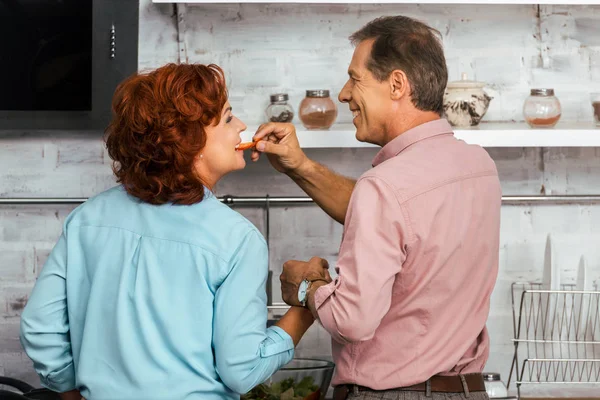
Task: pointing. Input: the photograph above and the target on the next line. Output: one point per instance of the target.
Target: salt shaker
(494, 385)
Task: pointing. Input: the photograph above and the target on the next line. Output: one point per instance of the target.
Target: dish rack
(556, 335)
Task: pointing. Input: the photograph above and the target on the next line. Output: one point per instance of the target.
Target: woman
(156, 290)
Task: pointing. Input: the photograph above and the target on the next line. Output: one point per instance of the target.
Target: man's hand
(280, 143)
(295, 272)
(329, 190)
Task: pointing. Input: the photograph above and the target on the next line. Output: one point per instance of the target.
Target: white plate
(550, 281)
(582, 306)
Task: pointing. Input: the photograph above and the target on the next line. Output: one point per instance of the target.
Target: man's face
(368, 99)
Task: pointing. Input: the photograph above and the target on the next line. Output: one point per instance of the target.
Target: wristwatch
(303, 291)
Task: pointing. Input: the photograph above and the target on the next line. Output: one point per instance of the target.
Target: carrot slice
(246, 146)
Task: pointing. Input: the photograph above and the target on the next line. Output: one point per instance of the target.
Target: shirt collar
(208, 193)
(410, 137)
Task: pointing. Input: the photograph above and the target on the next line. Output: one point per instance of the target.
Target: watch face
(302, 290)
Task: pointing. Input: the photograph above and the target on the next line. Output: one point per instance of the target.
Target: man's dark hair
(411, 46)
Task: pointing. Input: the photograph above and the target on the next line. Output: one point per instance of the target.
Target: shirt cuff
(325, 312)
(323, 293)
(277, 341)
(60, 381)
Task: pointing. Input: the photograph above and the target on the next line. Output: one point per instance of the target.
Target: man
(419, 255)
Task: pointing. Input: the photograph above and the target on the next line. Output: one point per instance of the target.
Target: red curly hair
(157, 130)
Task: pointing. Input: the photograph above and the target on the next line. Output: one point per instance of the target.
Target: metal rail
(243, 200)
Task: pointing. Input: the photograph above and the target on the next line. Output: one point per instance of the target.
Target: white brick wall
(267, 48)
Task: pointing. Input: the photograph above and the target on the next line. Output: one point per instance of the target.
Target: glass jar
(279, 110)
(541, 108)
(494, 385)
(317, 110)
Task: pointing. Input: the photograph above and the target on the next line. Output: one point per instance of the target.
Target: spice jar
(317, 110)
(542, 109)
(279, 110)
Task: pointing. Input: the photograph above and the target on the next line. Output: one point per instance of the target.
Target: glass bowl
(309, 378)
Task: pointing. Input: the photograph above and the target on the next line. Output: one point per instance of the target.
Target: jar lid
(279, 97)
(465, 83)
(542, 92)
(491, 376)
(317, 93)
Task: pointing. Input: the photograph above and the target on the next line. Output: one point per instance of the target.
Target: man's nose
(344, 96)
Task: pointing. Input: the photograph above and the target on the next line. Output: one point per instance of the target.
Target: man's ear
(399, 85)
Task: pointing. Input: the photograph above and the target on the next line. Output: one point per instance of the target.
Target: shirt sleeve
(372, 252)
(246, 351)
(45, 324)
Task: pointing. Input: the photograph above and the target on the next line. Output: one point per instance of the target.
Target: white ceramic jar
(465, 102)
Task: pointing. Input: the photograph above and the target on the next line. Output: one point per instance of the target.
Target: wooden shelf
(486, 134)
(482, 2)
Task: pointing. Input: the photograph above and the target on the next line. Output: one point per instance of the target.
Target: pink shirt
(417, 263)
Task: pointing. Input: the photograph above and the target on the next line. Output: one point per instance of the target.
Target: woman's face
(219, 156)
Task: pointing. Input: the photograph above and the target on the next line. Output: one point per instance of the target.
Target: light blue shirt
(139, 301)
